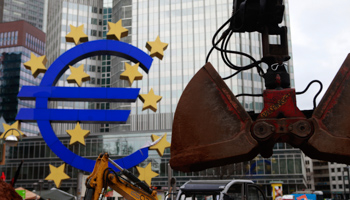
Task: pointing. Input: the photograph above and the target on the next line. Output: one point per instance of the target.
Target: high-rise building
(93, 15)
(188, 26)
(30, 10)
(17, 41)
(61, 15)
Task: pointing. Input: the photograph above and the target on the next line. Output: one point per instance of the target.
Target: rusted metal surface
(210, 126)
(275, 53)
(280, 104)
(331, 119)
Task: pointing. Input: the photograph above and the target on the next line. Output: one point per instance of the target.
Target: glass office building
(30, 10)
(17, 41)
(188, 26)
(90, 14)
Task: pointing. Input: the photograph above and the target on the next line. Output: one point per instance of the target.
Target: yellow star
(131, 73)
(57, 174)
(78, 134)
(76, 35)
(116, 31)
(78, 75)
(146, 174)
(161, 145)
(156, 48)
(36, 64)
(8, 128)
(150, 100)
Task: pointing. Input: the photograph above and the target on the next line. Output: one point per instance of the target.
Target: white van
(220, 190)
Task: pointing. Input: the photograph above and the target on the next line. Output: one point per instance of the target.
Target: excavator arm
(124, 182)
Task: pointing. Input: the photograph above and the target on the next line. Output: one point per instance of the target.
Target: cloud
(320, 40)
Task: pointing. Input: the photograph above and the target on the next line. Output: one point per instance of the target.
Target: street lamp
(12, 140)
(40, 185)
(35, 186)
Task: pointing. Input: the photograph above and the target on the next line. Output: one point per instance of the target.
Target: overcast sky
(320, 42)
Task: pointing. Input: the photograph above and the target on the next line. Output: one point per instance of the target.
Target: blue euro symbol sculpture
(47, 91)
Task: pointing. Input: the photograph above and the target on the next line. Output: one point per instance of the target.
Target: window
(93, 21)
(332, 170)
(254, 193)
(307, 162)
(339, 178)
(235, 192)
(333, 178)
(307, 169)
(339, 169)
(340, 186)
(94, 10)
(93, 33)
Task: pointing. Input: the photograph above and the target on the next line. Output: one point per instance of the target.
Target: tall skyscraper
(30, 10)
(17, 41)
(188, 27)
(61, 15)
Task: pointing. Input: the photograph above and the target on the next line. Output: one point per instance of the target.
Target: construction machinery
(123, 182)
(131, 188)
(211, 128)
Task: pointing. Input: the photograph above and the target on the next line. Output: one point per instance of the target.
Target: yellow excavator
(123, 182)
(131, 188)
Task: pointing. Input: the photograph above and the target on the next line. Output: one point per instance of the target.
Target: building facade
(339, 180)
(30, 10)
(309, 173)
(188, 26)
(37, 156)
(17, 41)
(61, 15)
(329, 177)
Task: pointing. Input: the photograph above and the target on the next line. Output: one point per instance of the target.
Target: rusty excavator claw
(211, 128)
(331, 121)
